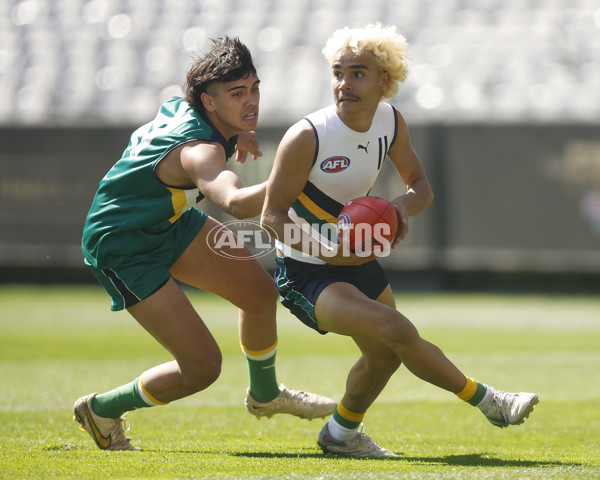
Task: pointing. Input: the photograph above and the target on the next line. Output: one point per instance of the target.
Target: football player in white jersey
(342, 292)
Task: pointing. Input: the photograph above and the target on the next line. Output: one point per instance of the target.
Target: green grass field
(57, 343)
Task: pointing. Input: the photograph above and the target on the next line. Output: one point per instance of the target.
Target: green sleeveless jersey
(133, 210)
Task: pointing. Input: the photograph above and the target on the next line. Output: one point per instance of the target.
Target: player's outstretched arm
(205, 163)
(286, 181)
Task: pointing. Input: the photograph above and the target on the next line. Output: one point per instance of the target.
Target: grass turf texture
(57, 343)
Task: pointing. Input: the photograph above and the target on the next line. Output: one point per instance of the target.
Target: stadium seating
(77, 62)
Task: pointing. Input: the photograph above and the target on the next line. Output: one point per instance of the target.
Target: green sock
(473, 392)
(116, 402)
(347, 419)
(261, 372)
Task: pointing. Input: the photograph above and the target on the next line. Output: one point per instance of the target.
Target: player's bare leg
(342, 309)
(168, 316)
(379, 329)
(371, 373)
(171, 319)
(342, 434)
(246, 284)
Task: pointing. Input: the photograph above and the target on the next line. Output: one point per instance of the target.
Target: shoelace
(300, 396)
(124, 424)
(499, 399)
(296, 395)
(373, 447)
(362, 434)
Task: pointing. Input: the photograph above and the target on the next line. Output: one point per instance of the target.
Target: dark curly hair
(228, 60)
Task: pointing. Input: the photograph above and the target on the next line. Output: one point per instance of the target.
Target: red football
(367, 221)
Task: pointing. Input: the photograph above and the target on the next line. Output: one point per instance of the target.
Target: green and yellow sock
(116, 402)
(344, 424)
(261, 372)
(473, 392)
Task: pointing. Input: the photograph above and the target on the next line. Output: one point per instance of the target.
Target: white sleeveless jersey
(345, 166)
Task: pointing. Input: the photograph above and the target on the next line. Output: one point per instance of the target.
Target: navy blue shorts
(300, 284)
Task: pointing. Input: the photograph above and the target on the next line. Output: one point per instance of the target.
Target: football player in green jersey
(143, 233)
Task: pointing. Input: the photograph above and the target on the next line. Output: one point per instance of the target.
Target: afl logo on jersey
(335, 164)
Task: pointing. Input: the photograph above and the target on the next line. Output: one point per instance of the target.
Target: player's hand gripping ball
(367, 222)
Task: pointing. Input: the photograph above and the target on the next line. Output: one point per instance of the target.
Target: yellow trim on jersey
(179, 201)
(182, 200)
(348, 415)
(317, 211)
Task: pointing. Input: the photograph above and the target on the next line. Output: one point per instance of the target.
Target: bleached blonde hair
(387, 48)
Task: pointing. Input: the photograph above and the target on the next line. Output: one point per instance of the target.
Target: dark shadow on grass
(485, 460)
(470, 460)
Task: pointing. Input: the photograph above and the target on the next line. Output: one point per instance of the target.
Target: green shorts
(139, 275)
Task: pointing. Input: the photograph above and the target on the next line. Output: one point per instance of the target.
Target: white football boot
(360, 445)
(107, 432)
(503, 409)
(295, 402)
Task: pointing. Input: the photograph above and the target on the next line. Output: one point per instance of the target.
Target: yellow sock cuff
(470, 388)
(260, 354)
(348, 415)
(148, 395)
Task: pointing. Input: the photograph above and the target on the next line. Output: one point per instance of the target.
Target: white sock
(340, 433)
(486, 398)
